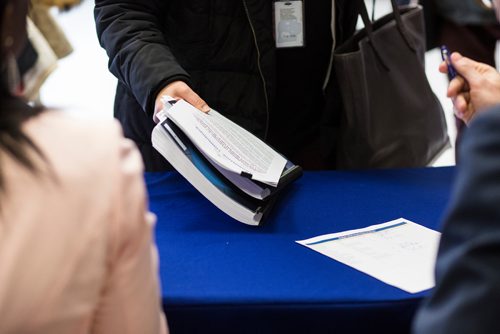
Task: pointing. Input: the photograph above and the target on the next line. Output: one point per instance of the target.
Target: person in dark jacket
(467, 292)
(222, 55)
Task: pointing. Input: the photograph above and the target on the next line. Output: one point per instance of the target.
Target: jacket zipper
(330, 64)
(259, 67)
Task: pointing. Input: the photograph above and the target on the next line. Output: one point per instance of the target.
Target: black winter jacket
(224, 49)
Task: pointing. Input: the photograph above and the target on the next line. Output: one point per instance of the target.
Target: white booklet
(235, 170)
(228, 146)
(400, 252)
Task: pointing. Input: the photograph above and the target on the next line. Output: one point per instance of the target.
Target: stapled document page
(400, 252)
(228, 145)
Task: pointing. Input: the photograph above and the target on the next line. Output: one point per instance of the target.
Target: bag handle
(402, 26)
(399, 23)
(369, 31)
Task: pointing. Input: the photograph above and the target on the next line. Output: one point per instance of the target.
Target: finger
(466, 96)
(456, 86)
(155, 118)
(468, 114)
(461, 105)
(157, 109)
(443, 68)
(196, 101)
(466, 67)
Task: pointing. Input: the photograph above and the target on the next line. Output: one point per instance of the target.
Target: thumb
(466, 67)
(196, 101)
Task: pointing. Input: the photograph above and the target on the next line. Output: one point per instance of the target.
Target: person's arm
(132, 34)
(130, 299)
(477, 87)
(467, 288)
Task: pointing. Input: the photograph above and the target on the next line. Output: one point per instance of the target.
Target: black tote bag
(390, 116)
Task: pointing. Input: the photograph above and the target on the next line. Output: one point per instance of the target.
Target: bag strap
(362, 10)
(402, 27)
(333, 22)
(374, 4)
(369, 31)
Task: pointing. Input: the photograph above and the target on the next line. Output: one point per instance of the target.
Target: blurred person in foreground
(467, 292)
(76, 251)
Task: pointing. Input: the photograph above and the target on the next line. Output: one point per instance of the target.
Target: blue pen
(445, 55)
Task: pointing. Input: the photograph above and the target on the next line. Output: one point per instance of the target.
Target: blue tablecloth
(221, 276)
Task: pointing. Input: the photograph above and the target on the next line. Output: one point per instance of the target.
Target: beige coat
(76, 252)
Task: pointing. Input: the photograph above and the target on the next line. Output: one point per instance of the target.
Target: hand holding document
(400, 252)
(229, 146)
(231, 167)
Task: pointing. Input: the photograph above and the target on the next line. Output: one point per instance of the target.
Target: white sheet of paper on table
(400, 252)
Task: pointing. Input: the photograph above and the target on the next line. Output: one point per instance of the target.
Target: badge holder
(289, 23)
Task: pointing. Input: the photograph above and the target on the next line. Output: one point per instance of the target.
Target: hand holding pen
(473, 86)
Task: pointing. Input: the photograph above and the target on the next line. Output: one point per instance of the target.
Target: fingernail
(205, 108)
(456, 55)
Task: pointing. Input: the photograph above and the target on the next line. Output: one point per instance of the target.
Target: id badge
(289, 23)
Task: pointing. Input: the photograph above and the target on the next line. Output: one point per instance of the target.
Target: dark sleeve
(467, 292)
(132, 34)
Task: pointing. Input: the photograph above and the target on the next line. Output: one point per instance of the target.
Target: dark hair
(13, 113)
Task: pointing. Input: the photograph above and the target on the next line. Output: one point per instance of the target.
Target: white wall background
(81, 81)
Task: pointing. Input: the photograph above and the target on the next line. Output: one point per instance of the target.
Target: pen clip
(445, 55)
